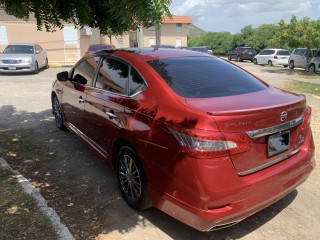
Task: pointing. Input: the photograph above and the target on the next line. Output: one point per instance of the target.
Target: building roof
(177, 19)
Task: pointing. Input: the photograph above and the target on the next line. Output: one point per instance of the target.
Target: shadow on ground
(84, 192)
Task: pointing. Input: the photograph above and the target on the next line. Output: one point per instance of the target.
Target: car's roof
(22, 44)
(276, 49)
(152, 54)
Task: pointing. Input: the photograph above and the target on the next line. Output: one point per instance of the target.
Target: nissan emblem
(283, 116)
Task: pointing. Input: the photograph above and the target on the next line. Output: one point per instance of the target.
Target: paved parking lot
(85, 193)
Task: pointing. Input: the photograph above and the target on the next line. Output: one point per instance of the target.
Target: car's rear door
(75, 94)
(105, 103)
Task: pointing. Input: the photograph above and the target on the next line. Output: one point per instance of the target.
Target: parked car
(272, 57)
(99, 47)
(200, 49)
(314, 65)
(162, 46)
(300, 57)
(183, 133)
(242, 53)
(182, 47)
(23, 57)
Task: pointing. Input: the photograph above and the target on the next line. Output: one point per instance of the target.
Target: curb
(61, 229)
(61, 65)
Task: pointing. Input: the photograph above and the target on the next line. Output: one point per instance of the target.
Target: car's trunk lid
(266, 117)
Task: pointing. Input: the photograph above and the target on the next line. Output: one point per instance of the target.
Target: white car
(272, 57)
(314, 65)
(23, 58)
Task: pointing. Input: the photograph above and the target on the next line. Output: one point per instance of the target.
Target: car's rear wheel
(291, 65)
(255, 61)
(57, 112)
(36, 68)
(132, 179)
(239, 59)
(270, 63)
(312, 69)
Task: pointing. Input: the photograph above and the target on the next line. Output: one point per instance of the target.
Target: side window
(84, 72)
(136, 83)
(296, 51)
(263, 52)
(113, 76)
(302, 52)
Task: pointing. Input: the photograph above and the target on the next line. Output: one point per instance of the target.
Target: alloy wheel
(129, 177)
(57, 113)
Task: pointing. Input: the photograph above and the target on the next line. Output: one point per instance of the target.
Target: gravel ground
(85, 194)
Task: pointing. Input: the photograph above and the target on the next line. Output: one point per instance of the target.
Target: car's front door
(106, 102)
(75, 94)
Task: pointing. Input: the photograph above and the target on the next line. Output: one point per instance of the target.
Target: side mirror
(63, 76)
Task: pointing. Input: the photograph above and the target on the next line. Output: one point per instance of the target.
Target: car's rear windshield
(99, 47)
(283, 52)
(19, 49)
(205, 77)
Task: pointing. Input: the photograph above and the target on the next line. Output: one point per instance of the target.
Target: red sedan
(188, 133)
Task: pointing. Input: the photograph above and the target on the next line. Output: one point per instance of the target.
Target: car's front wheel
(255, 61)
(36, 68)
(291, 65)
(132, 179)
(229, 57)
(57, 112)
(46, 66)
(239, 59)
(312, 69)
(270, 63)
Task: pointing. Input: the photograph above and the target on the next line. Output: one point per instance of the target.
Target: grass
(20, 216)
(303, 87)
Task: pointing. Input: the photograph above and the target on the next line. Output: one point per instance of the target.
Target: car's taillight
(206, 144)
(305, 124)
(306, 119)
(275, 57)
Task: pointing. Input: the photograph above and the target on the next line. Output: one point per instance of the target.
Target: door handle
(112, 115)
(80, 99)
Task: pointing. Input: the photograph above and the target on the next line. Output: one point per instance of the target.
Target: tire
(239, 59)
(229, 57)
(57, 112)
(270, 63)
(312, 69)
(255, 61)
(36, 68)
(285, 66)
(291, 65)
(132, 179)
(46, 66)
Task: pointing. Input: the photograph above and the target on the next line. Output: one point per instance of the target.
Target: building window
(3, 35)
(152, 28)
(120, 42)
(179, 27)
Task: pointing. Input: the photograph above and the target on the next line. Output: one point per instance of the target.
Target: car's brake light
(305, 124)
(306, 119)
(205, 144)
(275, 57)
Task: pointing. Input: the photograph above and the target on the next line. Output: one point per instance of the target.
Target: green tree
(298, 33)
(112, 17)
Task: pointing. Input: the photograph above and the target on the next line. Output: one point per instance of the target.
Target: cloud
(240, 6)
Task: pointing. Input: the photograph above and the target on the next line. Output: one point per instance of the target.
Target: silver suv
(300, 56)
(314, 65)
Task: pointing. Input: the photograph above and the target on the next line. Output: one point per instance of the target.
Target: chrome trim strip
(271, 130)
(165, 148)
(253, 170)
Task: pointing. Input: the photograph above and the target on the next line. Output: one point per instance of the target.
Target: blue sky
(233, 15)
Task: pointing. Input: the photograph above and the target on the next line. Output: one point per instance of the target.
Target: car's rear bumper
(222, 199)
